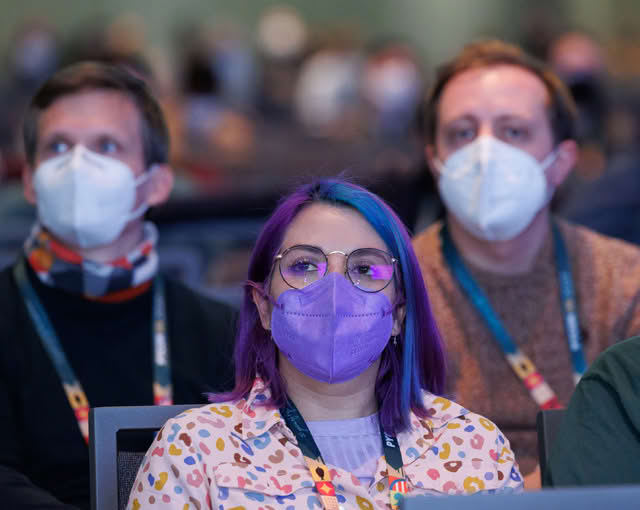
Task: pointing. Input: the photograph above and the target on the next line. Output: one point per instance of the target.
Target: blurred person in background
(579, 60)
(33, 54)
(364, 106)
(282, 39)
(524, 301)
(327, 96)
(120, 41)
(202, 106)
(603, 193)
(610, 204)
(305, 116)
(339, 370)
(216, 101)
(85, 318)
(392, 86)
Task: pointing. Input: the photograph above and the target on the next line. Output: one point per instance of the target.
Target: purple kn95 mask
(330, 330)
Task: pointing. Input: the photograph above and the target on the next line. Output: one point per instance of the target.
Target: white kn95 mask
(85, 198)
(494, 189)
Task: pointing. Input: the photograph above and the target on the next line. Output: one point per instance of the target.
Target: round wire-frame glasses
(368, 269)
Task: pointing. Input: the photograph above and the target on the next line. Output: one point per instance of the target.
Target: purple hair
(416, 363)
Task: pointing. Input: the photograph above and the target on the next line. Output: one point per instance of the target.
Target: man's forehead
(93, 96)
(498, 90)
(91, 110)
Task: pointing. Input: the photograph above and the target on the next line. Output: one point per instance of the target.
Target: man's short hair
(561, 108)
(93, 75)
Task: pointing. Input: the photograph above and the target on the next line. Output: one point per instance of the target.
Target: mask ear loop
(140, 180)
(550, 159)
(397, 280)
(398, 301)
(545, 164)
(439, 166)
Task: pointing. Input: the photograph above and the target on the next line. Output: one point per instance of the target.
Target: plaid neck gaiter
(59, 267)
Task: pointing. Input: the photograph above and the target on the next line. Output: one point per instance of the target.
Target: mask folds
(494, 189)
(85, 198)
(330, 330)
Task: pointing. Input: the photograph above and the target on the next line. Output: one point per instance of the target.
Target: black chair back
(547, 423)
(119, 437)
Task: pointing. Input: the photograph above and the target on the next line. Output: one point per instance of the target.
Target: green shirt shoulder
(599, 440)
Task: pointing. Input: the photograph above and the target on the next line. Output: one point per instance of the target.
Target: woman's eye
(302, 266)
(362, 270)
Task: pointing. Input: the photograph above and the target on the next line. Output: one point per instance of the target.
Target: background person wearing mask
(524, 301)
(86, 291)
(337, 354)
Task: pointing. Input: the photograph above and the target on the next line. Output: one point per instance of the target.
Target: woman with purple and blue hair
(339, 371)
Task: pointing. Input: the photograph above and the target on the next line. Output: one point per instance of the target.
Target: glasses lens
(370, 269)
(302, 265)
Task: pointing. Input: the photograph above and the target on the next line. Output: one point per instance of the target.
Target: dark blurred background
(261, 95)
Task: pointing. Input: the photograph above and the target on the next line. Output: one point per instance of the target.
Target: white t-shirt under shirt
(354, 445)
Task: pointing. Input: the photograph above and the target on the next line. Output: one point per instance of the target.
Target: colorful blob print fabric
(241, 455)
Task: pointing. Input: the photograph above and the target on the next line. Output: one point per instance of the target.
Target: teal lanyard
(162, 388)
(481, 303)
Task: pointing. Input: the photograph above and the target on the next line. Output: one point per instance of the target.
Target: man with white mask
(524, 301)
(85, 318)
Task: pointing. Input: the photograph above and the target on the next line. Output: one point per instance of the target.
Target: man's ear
(564, 163)
(27, 183)
(264, 308)
(160, 184)
(430, 156)
(398, 319)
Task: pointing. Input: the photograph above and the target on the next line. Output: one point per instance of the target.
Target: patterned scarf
(58, 266)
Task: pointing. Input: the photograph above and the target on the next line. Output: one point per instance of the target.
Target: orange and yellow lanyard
(162, 387)
(321, 474)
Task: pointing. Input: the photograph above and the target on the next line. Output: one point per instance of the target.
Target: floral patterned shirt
(241, 455)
